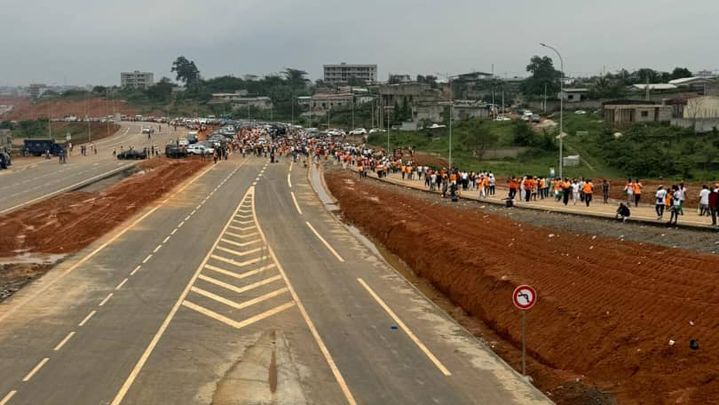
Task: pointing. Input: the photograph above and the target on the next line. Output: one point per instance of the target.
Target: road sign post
(524, 297)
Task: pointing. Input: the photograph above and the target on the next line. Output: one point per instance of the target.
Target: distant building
(220, 98)
(702, 107)
(344, 72)
(260, 103)
(36, 90)
(573, 95)
(627, 112)
(137, 79)
(399, 78)
(694, 84)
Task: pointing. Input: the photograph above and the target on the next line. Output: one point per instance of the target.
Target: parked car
(175, 151)
(358, 131)
(502, 118)
(132, 154)
(38, 147)
(183, 142)
(192, 137)
(199, 149)
(376, 130)
(580, 112)
(535, 118)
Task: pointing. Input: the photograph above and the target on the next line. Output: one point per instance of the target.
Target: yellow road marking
(62, 342)
(406, 330)
(294, 199)
(236, 253)
(240, 305)
(241, 275)
(331, 249)
(237, 264)
(241, 229)
(240, 244)
(231, 322)
(35, 370)
(8, 397)
(237, 235)
(315, 333)
(242, 289)
(156, 338)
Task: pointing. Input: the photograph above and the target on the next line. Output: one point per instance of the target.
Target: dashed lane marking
(406, 329)
(297, 205)
(36, 369)
(166, 238)
(135, 270)
(327, 245)
(105, 300)
(158, 247)
(87, 318)
(63, 341)
(8, 397)
(147, 259)
(122, 283)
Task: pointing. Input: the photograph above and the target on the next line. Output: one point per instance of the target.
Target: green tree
(543, 73)
(186, 71)
(680, 72)
(161, 92)
(478, 139)
(296, 78)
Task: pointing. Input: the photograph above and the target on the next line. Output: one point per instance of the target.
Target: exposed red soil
(607, 309)
(92, 107)
(70, 221)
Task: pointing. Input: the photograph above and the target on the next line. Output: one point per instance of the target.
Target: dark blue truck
(38, 147)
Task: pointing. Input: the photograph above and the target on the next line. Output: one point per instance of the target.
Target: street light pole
(561, 109)
(451, 103)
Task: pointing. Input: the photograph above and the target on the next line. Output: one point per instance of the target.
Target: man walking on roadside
(605, 190)
(714, 203)
(661, 196)
(588, 191)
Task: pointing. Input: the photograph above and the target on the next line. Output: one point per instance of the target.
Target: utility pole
(545, 98)
(561, 109)
(353, 111)
(388, 133)
(451, 104)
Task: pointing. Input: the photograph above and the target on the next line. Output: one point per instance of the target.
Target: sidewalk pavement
(644, 213)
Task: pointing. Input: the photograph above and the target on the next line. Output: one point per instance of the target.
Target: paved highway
(239, 288)
(33, 179)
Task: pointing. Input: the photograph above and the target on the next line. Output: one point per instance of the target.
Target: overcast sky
(91, 42)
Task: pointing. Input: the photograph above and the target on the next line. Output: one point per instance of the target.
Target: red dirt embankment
(70, 221)
(92, 107)
(607, 309)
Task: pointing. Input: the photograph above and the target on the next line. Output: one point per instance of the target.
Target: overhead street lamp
(561, 108)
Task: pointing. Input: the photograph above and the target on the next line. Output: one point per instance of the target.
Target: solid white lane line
(242, 289)
(241, 244)
(62, 342)
(105, 300)
(87, 318)
(35, 370)
(166, 239)
(240, 305)
(135, 270)
(156, 338)
(310, 324)
(147, 258)
(294, 199)
(157, 248)
(406, 330)
(8, 397)
(121, 284)
(331, 249)
(236, 253)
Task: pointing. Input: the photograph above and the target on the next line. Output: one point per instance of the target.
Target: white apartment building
(136, 79)
(342, 73)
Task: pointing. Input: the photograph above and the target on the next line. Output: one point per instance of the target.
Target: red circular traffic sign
(524, 297)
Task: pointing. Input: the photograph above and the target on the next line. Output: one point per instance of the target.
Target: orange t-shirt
(588, 188)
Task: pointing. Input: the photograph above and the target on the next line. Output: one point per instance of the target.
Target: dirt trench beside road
(607, 308)
(33, 237)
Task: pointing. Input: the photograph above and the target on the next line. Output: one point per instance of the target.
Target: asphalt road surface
(32, 179)
(239, 288)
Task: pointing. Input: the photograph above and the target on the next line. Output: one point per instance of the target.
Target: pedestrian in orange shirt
(588, 190)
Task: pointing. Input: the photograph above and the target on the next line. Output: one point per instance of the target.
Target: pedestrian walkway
(644, 213)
